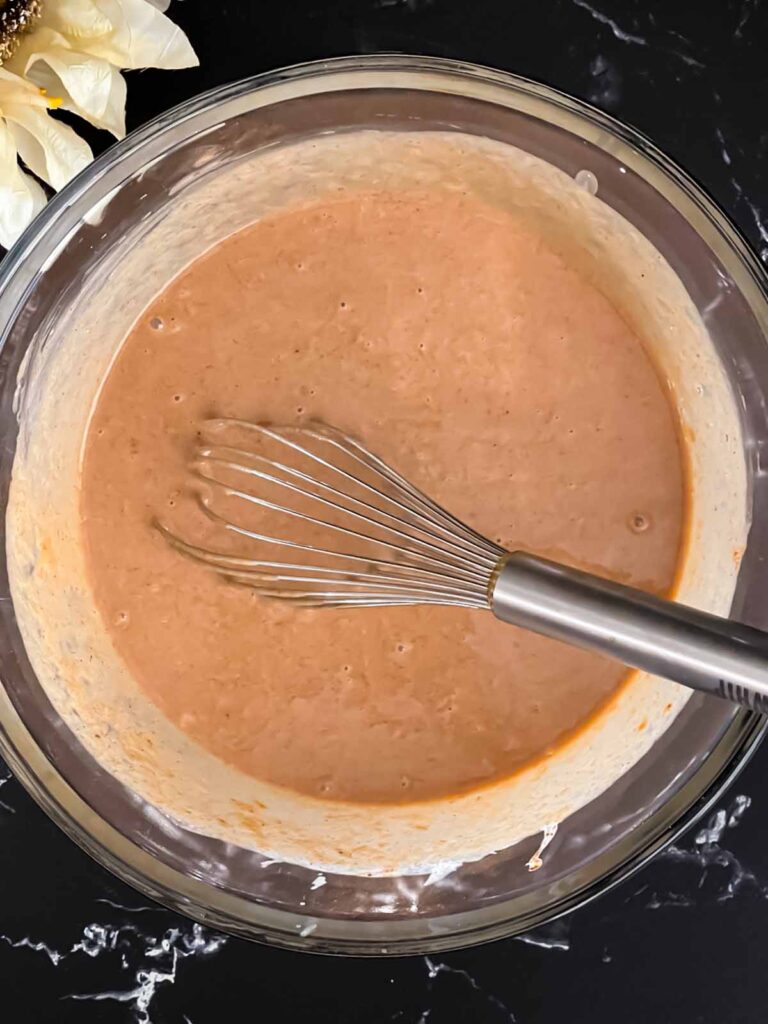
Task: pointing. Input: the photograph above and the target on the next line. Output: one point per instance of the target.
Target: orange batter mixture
(467, 354)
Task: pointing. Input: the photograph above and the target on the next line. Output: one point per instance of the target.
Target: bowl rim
(200, 900)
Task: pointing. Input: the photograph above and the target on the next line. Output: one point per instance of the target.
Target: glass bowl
(84, 230)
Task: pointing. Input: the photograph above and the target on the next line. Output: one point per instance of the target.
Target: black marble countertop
(684, 941)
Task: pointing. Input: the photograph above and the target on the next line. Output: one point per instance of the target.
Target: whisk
(311, 516)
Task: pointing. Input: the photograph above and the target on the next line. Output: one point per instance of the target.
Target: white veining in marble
(723, 147)
(720, 875)
(747, 9)
(639, 40)
(669, 899)
(54, 955)
(175, 945)
(123, 906)
(5, 778)
(436, 968)
(153, 959)
(756, 213)
(620, 33)
(409, 5)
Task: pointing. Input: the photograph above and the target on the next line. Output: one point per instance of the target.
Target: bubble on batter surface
(586, 180)
(639, 522)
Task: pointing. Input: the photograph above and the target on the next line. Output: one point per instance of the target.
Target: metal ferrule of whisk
(309, 515)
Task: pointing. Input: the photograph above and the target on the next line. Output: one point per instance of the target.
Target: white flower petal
(15, 89)
(127, 33)
(76, 19)
(52, 150)
(88, 86)
(144, 38)
(161, 5)
(21, 197)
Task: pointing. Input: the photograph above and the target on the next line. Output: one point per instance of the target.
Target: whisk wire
(416, 536)
(324, 523)
(405, 548)
(454, 525)
(250, 569)
(354, 450)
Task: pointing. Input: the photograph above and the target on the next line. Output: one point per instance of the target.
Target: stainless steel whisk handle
(680, 643)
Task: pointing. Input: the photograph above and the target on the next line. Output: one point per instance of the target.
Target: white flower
(50, 149)
(71, 58)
